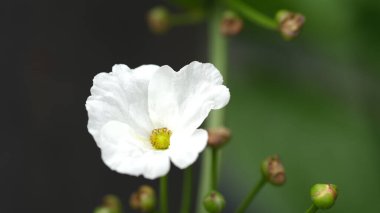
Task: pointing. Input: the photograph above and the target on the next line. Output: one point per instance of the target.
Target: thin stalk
(312, 209)
(186, 190)
(218, 56)
(248, 200)
(164, 194)
(252, 14)
(214, 167)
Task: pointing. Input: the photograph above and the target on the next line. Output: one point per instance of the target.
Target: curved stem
(164, 194)
(312, 209)
(218, 56)
(244, 205)
(252, 14)
(186, 190)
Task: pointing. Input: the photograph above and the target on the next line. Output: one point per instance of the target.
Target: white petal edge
(184, 151)
(125, 152)
(157, 164)
(122, 150)
(182, 100)
(120, 95)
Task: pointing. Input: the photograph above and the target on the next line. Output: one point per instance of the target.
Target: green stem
(244, 205)
(218, 56)
(186, 190)
(164, 194)
(252, 14)
(312, 209)
(214, 167)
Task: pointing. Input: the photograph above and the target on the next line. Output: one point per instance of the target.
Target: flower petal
(157, 164)
(182, 100)
(127, 153)
(162, 101)
(184, 151)
(120, 96)
(122, 150)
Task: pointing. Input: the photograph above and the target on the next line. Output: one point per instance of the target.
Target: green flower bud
(158, 20)
(103, 210)
(144, 200)
(231, 24)
(273, 170)
(214, 202)
(217, 137)
(290, 23)
(112, 202)
(324, 195)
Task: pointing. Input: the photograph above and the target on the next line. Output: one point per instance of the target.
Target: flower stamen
(160, 138)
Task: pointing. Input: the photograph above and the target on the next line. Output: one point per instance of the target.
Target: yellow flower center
(160, 138)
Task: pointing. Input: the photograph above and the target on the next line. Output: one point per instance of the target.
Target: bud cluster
(217, 137)
(144, 199)
(290, 23)
(273, 170)
(110, 204)
(214, 202)
(231, 24)
(324, 195)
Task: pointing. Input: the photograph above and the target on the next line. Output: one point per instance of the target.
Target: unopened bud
(231, 24)
(144, 200)
(103, 210)
(273, 170)
(112, 202)
(214, 202)
(217, 137)
(158, 20)
(324, 195)
(290, 23)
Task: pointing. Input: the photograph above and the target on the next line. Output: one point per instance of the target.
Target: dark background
(51, 50)
(315, 101)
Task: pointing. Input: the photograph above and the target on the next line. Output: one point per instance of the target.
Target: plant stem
(312, 209)
(186, 190)
(253, 14)
(164, 194)
(214, 167)
(244, 205)
(218, 56)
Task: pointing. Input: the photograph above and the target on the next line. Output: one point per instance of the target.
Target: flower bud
(324, 195)
(217, 137)
(158, 20)
(103, 210)
(290, 23)
(112, 202)
(214, 202)
(231, 24)
(273, 170)
(144, 200)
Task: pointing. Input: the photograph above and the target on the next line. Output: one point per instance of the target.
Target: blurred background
(315, 101)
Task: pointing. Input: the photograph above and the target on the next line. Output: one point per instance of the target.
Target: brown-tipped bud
(273, 170)
(214, 202)
(103, 210)
(290, 23)
(217, 137)
(231, 24)
(112, 202)
(158, 20)
(144, 200)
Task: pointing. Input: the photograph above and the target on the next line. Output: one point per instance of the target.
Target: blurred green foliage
(315, 101)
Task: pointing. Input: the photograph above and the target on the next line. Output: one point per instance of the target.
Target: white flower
(143, 118)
